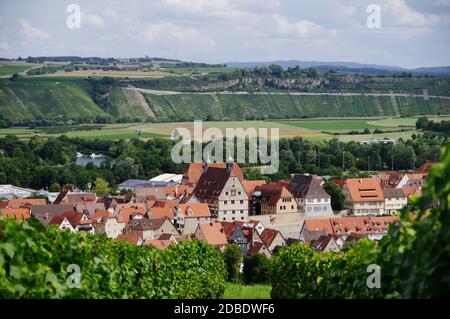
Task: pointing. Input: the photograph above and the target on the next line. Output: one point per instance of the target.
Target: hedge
(414, 258)
(34, 263)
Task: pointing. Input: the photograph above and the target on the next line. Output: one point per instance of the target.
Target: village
(214, 203)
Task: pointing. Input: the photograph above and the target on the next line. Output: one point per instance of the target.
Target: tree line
(39, 163)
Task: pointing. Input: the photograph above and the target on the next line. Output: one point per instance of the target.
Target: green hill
(46, 98)
(237, 107)
(63, 98)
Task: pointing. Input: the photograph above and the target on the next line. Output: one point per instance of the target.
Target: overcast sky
(413, 33)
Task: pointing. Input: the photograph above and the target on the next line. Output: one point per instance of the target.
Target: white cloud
(168, 34)
(401, 14)
(33, 33)
(92, 20)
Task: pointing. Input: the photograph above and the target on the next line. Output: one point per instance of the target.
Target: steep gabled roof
(299, 185)
(271, 193)
(425, 167)
(195, 171)
(212, 182)
(74, 219)
(213, 234)
(257, 248)
(268, 236)
(321, 243)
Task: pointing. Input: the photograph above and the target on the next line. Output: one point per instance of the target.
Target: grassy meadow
(237, 291)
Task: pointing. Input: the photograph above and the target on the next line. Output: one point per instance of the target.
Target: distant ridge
(350, 67)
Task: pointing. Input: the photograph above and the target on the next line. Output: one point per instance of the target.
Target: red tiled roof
(16, 213)
(351, 225)
(195, 171)
(365, 190)
(213, 234)
(195, 210)
(19, 203)
(273, 192)
(250, 186)
(268, 236)
(425, 168)
(257, 248)
(74, 219)
(131, 238)
(159, 244)
(212, 182)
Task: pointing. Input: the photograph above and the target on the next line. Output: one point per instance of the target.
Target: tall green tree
(337, 197)
(232, 256)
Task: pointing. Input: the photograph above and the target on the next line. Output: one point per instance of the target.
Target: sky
(411, 33)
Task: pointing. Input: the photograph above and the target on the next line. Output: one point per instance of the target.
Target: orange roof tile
(213, 233)
(16, 213)
(159, 244)
(195, 210)
(365, 190)
(18, 203)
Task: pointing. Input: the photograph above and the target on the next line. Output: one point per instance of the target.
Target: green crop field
(11, 69)
(8, 68)
(164, 130)
(333, 125)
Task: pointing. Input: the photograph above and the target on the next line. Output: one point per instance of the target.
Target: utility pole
(392, 162)
(343, 161)
(368, 163)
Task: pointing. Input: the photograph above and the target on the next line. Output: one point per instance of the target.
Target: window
(242, 202)
(225, 202)
(233, 202)
(226, 193)
(234, 212)
(239, 193)
(242, 211)
(324, 208)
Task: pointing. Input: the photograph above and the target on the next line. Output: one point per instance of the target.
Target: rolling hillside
(64, 98)
(259, 106)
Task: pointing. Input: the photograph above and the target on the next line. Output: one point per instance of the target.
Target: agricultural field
(305, 129)
(336, 125)
(115, 74)
(7, 68)
(198, 70)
